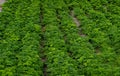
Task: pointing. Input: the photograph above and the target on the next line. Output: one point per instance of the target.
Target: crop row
(19, 40)
(99, 32)
(111, 11)
(58, 61)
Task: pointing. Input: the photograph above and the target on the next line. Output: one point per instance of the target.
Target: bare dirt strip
(1, 2)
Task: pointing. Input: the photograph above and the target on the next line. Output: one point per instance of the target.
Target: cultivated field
(60, 38)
